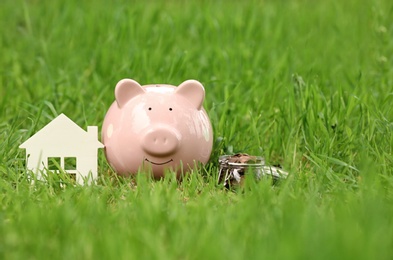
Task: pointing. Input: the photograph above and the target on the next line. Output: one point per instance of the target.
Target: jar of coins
(233, 169)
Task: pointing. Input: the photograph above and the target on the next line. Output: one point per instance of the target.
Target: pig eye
(149, 108)
(170, 109)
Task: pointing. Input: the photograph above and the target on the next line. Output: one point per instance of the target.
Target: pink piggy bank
(157, 127)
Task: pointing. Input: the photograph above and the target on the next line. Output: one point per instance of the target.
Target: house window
(69, 163)
(54, 163)
(72, 176)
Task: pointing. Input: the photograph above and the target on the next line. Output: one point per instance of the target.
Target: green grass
(306, 84)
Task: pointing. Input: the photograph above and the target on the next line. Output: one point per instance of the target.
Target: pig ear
(193, 91)
(125, 90)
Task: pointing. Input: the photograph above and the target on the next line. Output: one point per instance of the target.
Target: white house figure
(63, 143)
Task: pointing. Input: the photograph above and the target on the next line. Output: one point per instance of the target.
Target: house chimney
(92, 132)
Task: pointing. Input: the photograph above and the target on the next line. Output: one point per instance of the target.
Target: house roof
(63, 131)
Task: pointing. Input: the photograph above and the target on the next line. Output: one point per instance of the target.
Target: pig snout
(161, 141)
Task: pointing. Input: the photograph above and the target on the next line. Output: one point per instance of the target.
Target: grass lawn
(305, 84)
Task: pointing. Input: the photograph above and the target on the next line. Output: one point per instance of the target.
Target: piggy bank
(157, 128)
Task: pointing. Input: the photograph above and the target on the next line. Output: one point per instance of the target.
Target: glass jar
(233, 169)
